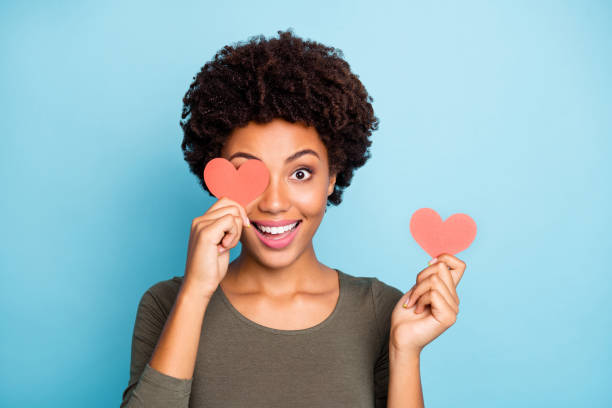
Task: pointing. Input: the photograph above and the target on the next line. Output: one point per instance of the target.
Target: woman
(276, 327)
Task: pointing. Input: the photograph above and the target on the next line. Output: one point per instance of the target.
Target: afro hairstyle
(286, 77)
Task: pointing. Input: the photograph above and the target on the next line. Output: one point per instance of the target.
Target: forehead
(274, 141)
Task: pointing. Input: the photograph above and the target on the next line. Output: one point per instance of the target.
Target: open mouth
(277, 237)
(276, 232)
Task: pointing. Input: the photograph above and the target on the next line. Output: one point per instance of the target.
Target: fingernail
(433, 261)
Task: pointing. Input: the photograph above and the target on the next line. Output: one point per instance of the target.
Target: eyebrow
(294, 156)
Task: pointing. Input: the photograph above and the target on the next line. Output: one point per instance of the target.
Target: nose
(275, 198)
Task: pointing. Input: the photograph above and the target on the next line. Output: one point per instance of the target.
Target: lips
(277, 241)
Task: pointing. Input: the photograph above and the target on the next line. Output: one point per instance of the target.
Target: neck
(247, 274)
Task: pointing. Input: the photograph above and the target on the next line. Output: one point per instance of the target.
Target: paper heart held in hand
(436, 236)
(242, 185)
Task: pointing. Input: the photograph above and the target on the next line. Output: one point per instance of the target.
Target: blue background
(499, 110)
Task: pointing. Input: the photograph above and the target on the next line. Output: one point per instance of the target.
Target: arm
(165, 344)
(176, 351)
(162, 370)
(404, 380)
(421, 315)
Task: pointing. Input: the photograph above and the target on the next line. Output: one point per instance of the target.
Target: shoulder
(384, 298)
(379, 290)
(383, 291)
(383, 295)
(162, 295)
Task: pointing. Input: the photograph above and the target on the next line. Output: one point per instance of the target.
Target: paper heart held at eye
(437, 237)
(242, 185)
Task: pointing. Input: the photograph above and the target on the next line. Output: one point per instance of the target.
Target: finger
(231, 236)
(441, 288)
(236, 237)
(439, 268)
(433, 268)
(404, 299)
(220, 227)
(457, 266)
(446, 277)
(218, 213)
(428, 271)
(243, 213)
(418, 289)
(440, 309)
(228, 202)
(433, 282)
(232, 233)
(422, 302)
(247, 222)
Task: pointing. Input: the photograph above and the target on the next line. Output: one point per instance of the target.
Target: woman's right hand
(212, 235)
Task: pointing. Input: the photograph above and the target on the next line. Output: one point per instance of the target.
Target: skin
(287, 288)
(290, 289)
(431, 305)
(428, 309)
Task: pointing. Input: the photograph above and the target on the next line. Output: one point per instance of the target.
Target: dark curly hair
(286, 77)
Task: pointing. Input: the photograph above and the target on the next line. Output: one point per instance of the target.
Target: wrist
(407, 355)
(190, 295)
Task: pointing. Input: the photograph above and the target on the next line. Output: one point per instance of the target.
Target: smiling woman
(299, 186)
(275, 327)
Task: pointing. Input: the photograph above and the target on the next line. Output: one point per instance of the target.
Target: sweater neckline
(320, 325)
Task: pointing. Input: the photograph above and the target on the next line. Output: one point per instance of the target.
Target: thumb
(404, 299)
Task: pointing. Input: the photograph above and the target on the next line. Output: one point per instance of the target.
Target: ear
(332, 184)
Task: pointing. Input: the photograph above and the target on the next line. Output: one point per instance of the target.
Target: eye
(300, 173)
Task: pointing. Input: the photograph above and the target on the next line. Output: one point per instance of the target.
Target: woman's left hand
(435, 309)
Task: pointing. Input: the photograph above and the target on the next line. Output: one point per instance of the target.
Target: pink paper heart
(242, 185)
(437, 237)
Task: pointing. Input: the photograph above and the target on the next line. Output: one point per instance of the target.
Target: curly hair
(286, 77)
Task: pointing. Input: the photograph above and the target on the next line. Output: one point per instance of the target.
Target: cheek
(312, 200)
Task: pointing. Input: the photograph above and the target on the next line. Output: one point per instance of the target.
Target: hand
(435, 309)
(212, 235)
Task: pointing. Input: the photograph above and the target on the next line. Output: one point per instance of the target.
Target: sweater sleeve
(385, 298)
(147, 387)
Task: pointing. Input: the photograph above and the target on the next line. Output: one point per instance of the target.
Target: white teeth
(277, 230)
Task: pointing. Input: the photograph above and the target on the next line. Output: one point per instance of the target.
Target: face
(299, 185)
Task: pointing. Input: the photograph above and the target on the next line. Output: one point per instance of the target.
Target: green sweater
(341, 362)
